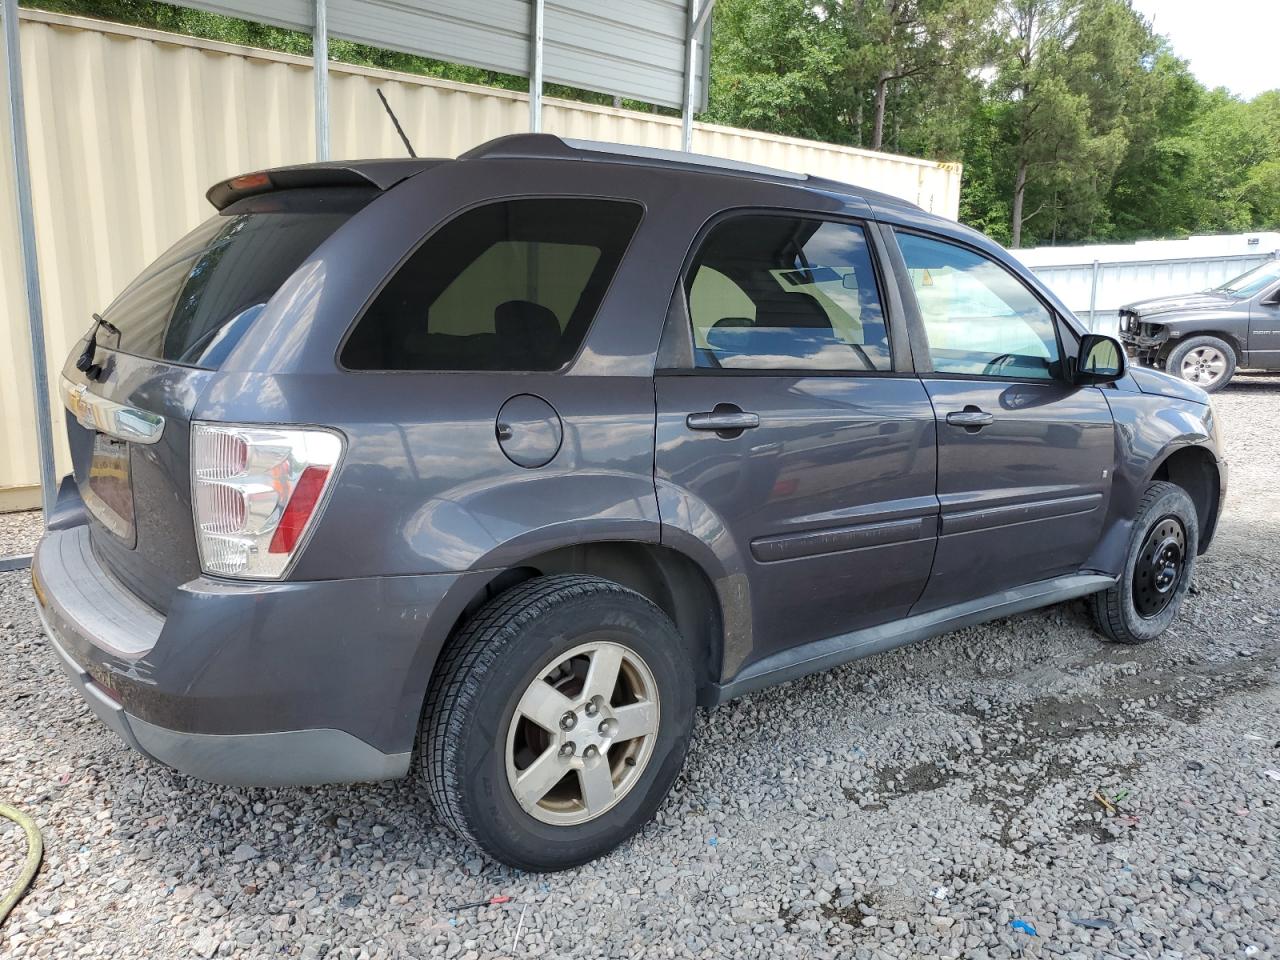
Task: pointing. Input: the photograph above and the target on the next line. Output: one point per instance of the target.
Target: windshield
(197, 300)
(1252, 283)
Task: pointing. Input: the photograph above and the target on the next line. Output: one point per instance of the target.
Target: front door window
(980, 319)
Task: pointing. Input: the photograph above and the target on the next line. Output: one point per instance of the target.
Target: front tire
(1207, 362)
(558, 720)
(1157, 571)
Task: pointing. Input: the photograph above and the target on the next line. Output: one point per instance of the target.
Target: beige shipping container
(128, 127)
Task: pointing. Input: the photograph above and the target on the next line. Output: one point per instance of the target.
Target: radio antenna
(399, 129)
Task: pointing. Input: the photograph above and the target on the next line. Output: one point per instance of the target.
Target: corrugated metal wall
(129, 127)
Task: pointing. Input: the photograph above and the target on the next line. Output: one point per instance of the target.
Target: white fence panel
(1122, 283)
(1103, 278)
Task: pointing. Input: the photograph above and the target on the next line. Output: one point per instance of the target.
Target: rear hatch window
(197, 300)
(178, 322)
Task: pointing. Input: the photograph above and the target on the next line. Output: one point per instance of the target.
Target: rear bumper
(249, 684)
(280, 758)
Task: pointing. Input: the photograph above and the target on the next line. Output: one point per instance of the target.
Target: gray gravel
(19, 532)
(910, 805)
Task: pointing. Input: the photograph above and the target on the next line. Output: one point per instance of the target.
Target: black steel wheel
(1158, 568)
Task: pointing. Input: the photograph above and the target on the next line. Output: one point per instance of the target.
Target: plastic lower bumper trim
(106, 708)
(275, 759)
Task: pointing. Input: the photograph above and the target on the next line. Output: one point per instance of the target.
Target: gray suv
(487, 472)
(1204, 337)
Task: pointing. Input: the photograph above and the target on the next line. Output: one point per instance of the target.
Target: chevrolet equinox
(488, 471)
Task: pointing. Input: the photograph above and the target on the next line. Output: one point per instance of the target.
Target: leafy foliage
(1074, 121)
(778, 67)
(895, 44)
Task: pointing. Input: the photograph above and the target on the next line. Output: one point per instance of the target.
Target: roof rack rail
(553, 147)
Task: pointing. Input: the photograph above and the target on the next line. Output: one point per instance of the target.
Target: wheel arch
(671, 580)
(1230, 339)
(1195, 469)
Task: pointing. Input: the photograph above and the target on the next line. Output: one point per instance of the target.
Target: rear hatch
(162, 342)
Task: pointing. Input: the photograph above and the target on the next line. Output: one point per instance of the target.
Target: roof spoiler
(375, 174)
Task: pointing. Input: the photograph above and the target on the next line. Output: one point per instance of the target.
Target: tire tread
(453, 692)
(1107, 605)
(1173, 362)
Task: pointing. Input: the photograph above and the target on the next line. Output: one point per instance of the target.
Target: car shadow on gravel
(1026, 745)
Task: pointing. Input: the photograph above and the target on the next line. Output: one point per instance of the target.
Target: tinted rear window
(195, 302)
(771, 292)
(511, 285)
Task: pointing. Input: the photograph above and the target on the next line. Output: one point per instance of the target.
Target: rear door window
(770, 292)
(507, 286)
(195, 302)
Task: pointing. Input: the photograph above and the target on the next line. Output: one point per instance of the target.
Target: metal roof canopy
(651, 50)
(625, 48)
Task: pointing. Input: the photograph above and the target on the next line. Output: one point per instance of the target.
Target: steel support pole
(30, 266)
(1093, 293)
(698, 14)
(537, 14)
(320, 54)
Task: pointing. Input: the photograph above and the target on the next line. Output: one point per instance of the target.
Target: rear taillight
(255, 492)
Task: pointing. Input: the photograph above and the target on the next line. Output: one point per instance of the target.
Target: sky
(1229, 43)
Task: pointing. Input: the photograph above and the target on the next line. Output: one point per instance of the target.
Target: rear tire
(557, 721)
(1158, 568)
(1207, 362)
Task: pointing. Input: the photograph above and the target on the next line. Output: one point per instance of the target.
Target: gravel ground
(915, 804)
(19, 532)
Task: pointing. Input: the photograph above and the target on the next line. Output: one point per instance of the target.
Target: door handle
(725, 418)
(971, 418)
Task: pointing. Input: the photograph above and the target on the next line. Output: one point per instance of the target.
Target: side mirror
(1101, 360)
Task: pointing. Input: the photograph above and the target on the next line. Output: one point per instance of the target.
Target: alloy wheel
(582, 733)
(1204, 366)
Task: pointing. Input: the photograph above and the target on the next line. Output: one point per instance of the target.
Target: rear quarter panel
(424, 486)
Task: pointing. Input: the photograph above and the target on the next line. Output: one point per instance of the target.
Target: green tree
(1149, 194)
(779, 67)
(1235, 148)
(933, 44)
(984, 197)
(1066, 81)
